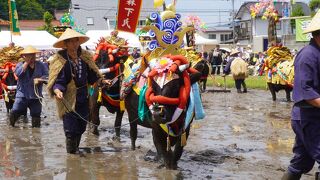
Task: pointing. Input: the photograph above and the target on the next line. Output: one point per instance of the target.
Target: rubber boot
(239, 91)
(71, 144)
(13, 118)
(78, 141)
(289, 176)
(317, 176)
(36, 122)
(244, 87)
(245, 90)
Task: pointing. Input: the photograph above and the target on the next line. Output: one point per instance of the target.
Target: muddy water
(244, 136)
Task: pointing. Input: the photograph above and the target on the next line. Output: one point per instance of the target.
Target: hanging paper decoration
(265, 7)
(196, 22)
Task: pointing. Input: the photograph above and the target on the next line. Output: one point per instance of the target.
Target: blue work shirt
(306, 82)
(25, 84)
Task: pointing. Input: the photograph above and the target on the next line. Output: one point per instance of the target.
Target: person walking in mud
(238, 68)
(28, 95)
(71, 69)
(305, 113)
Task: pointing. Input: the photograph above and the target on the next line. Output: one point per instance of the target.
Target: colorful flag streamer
(13, 17)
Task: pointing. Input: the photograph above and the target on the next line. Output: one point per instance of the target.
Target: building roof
(34, 24)
(219, 28)
(4, 23)
(245, 8)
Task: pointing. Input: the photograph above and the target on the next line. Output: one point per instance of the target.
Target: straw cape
(57, 63)
(29, 50)
(314, 24)
(69, 34)
(239, 68)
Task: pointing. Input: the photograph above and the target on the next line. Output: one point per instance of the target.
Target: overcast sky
(210, 11)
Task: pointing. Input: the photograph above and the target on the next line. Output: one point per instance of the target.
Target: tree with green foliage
(52, 5)
(297, 10)
(314, 6)
(47, 18)
(29, 9)
(33, 9)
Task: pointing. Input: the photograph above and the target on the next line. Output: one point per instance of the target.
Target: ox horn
(183, 67)
(104, 71)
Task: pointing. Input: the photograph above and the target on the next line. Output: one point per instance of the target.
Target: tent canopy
(95, 35)
(133, 39)
(204, 41)
(39, 39)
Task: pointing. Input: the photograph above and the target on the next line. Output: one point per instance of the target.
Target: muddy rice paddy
(244, 136)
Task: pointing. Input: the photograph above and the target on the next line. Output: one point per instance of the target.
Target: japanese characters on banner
(128, 15)
(301, 25)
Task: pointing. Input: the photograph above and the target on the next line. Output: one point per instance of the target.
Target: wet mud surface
(244, 136)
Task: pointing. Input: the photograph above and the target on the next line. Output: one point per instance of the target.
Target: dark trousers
(21, 105)
(240, 82)
(73, 125)
(306, 148)
(215, 69)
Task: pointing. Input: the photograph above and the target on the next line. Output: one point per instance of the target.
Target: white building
(102, 14)
(255, 30)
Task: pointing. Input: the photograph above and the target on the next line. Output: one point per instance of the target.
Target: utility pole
(219, 18)
(233, 30)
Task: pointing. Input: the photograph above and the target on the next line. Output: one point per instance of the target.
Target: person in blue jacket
(29, 91)
(305, 120)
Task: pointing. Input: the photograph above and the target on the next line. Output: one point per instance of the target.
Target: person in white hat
(238, 68)
(71, 70)
(305, 115)
(27, 73)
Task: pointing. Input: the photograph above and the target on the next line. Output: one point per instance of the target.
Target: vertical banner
(128, 15)
(13, 17)
(301, 25)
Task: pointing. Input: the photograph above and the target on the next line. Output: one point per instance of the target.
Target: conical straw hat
(29, 50)
(69, 34)
(234, 51)
(314, 24)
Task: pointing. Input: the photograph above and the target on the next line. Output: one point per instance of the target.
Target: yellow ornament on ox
(157, 3)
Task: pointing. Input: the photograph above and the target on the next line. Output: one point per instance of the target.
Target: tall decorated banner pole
(128, 15)
(13, 16)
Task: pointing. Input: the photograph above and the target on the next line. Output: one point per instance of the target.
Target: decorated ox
(9, 84)
(109, 58)
(160, 91)
(279, 71)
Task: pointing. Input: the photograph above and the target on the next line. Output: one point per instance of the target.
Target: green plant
(297, 10)
(314, 6)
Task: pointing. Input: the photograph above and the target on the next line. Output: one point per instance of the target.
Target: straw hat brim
(314, 24)
(234, 52)
(70, 34)
(29, 50)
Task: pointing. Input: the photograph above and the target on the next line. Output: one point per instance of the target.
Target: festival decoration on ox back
(168, 97)
(168, 62)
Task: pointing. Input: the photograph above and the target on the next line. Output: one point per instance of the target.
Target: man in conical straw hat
(305, 116)
(70, 72)
(239, 70)
(28, 73)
